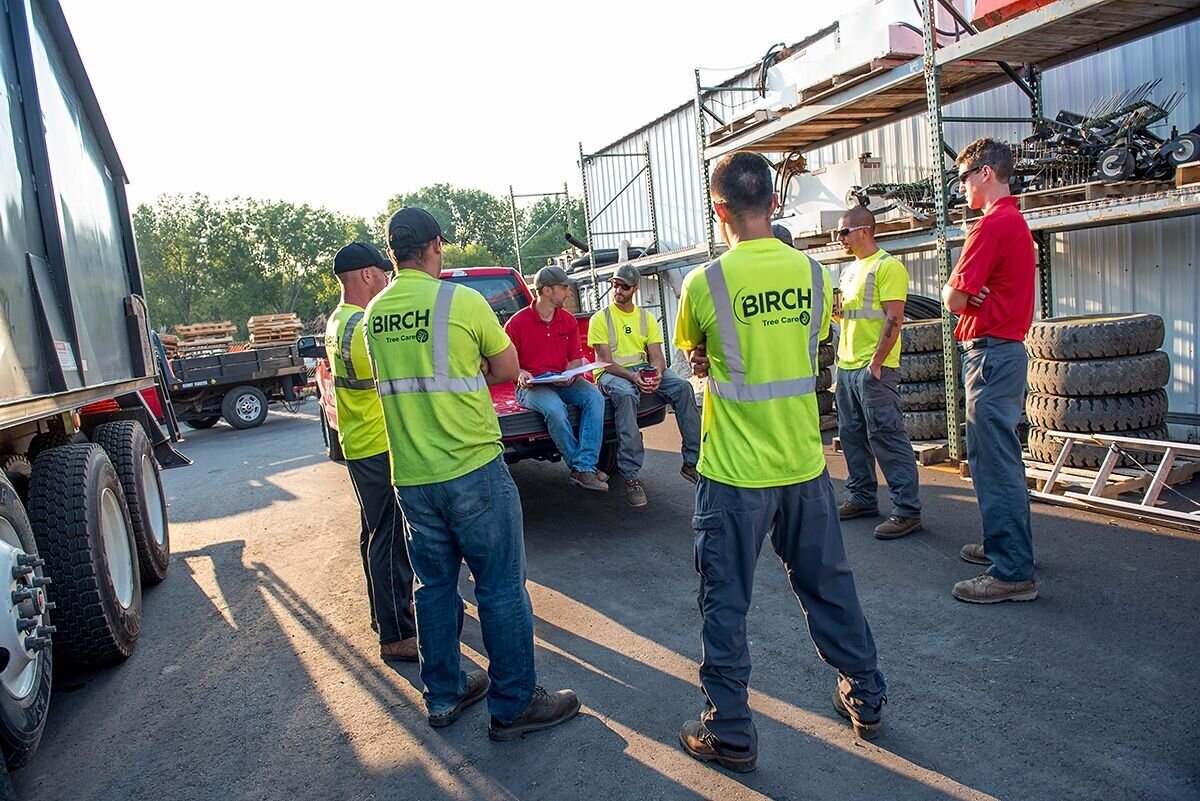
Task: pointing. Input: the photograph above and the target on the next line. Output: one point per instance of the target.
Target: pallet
(1187, 173)
(205, 330)
(742, 124)
(925, 452)
(1092, 191)
(272, 330)
(1120, 481)
(850, 77)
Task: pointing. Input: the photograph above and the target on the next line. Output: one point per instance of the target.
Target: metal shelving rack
(1047, 37)
(565, 208)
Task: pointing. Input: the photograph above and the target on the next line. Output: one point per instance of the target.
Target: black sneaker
(545, 711)
(703, 745)
(477, 687)
(867, 721)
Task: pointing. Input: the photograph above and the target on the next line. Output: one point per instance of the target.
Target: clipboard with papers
(566, 375)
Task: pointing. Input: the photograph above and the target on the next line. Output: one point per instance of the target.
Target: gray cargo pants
(871, 426)
(730, 525)
(625, 398)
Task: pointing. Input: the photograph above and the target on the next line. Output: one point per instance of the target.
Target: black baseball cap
(412, 227)
(358, 255)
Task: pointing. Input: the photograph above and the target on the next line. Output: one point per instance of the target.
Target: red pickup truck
(523, 432)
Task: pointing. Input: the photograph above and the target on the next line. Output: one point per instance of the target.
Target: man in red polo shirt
(547, 340)
(992, 288)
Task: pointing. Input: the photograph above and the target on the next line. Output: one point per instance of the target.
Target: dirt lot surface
(257, 676)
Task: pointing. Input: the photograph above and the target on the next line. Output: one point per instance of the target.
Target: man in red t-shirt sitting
(992, 288)
(547, 340)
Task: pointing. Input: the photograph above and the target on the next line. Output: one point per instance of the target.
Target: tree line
(205, 259)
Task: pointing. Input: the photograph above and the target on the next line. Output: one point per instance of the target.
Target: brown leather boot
(973, 552)
(896, 527)
(690, 472)
(703, 745)
(545, 710)
(867, 722)
(848, 511)
(477, 687)
(588, 480)
(399, 651)
(987, 589)
(635, 493)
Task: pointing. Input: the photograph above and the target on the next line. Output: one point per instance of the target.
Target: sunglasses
(962, 176)
(619, 286)
(845, 232)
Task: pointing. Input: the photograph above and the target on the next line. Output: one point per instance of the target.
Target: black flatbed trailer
(238, 386)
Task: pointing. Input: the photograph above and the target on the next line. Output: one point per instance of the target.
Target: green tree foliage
(229, 260)
(467, 217)
(472, 255)
(542, 226)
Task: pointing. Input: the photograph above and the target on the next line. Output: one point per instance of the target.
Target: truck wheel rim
(20, 674)
(248, 407)
(115, 538)
(154, 502)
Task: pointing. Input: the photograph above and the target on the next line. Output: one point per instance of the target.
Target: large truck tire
(923, 396)
(81, 524)
(922, 337)
(28, 672)
(244, 407)
(1045, 448)
(824, 379)
(826, 354)
(333, 445)
(1097, 413)
(51, 439)
(18, 470)
(916, 367)
(925, 425)
(201, 423)
(132, 456)
(607, 462)
(1117, 376)
(824, 403)
(1095, 336)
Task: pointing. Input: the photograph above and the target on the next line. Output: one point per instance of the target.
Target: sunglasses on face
(962, 176)
(618, 286)
(845, 232)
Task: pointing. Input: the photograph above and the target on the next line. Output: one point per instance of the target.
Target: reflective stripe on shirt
(624, 361)
(440, 381)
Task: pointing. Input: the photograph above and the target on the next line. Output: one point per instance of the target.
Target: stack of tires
(922, 380)
(826, 357)
(1096, 374)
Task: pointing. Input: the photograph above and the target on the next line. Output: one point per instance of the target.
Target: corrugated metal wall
(1143, 267)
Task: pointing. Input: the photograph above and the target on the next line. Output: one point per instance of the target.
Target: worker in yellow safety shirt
(363, 272)
(752, 321)
(630, 340)
(870, 418)
(436, 346)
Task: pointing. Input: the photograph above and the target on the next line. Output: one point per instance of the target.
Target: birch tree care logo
(774, 307)
(406, 326)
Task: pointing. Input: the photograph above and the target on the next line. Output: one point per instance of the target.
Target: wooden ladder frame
(1144, 510)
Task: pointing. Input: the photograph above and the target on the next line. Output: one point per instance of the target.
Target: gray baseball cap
(627, 274)
(550, 276)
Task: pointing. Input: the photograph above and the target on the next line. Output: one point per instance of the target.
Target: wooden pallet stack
(270, 330)
(202, 338)
(170, 343)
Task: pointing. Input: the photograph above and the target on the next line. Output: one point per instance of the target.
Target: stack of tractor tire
(826, 357)
(1096, 374)
(923, 380)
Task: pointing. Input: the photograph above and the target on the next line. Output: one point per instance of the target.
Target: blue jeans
(871, 425)
(580, 453)
(625, 397)
(476, 517)
(994, 378)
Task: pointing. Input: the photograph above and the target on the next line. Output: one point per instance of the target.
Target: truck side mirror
(311, 347)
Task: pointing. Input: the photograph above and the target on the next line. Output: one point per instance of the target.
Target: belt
(984, 342)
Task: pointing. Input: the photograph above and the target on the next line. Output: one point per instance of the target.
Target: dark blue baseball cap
(411, 227)
(358, 255)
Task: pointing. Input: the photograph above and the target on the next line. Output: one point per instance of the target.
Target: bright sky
(345, 104)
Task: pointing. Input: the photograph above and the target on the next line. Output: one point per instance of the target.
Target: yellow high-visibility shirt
(635, 331)
(883, 277)
(761, 332)
(360, 427)
(426, 339)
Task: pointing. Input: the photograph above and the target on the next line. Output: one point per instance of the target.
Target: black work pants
(384, 555)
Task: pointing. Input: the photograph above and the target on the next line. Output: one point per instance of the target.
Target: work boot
(988, 589)
(635, 492)
(588, 480)
(848, 511)
(973, 552)
(703, 745)
(545, 710)
(866, 720)
(600, 474)
(399, 651)
(477, 687)
(690, 472)
(896, 527)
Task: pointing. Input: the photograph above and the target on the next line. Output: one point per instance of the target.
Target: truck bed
(235, 368)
